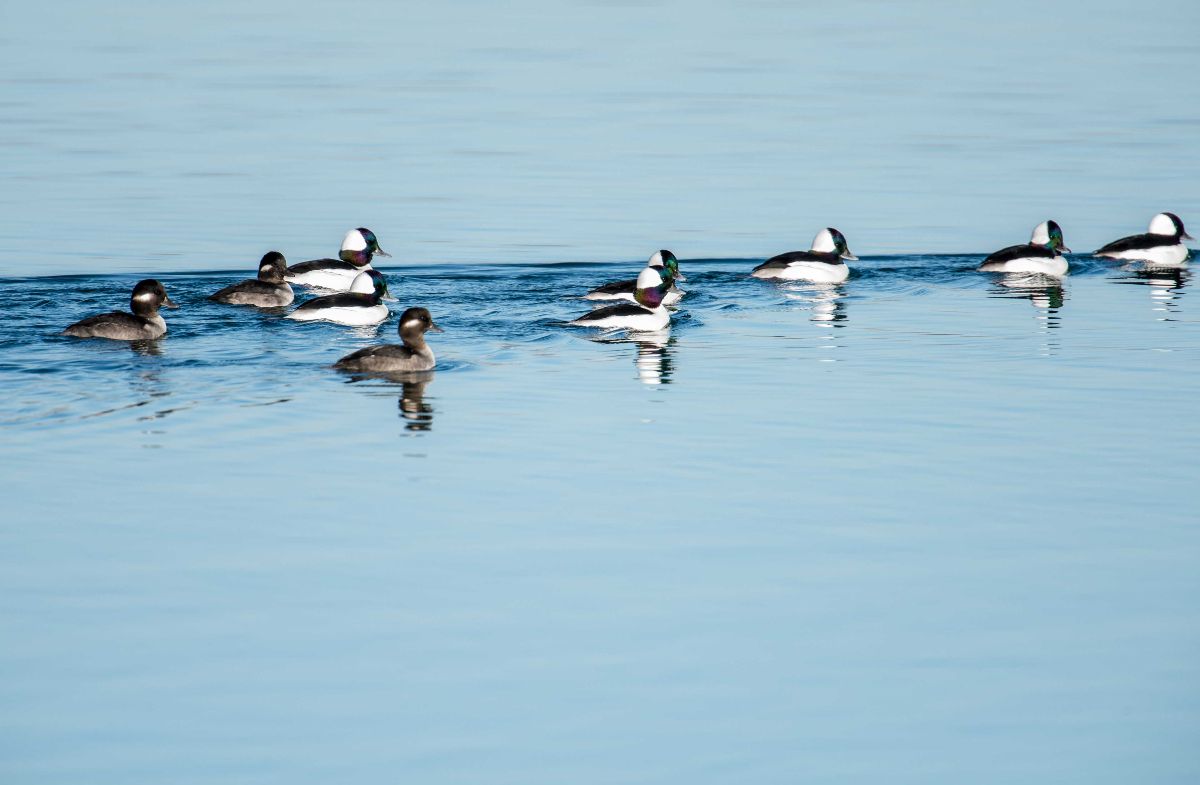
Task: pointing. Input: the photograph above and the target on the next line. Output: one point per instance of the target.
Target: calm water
(927, 526)
(920, 527)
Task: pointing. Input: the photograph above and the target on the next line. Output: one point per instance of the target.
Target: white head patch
(823, 242)
(354, 241)
(411, 324)
(363, 284)
(656, 260)
(146, 297)
(1162, 224)
(1041, 234)
(649, 278)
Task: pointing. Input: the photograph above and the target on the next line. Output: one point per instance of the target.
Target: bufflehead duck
(362, 305)
(1042, 254)
(413, 355)
(1162, 245)
(143, 324)
(623, 290)
(823, 263)
(358, 247)
(646, 315)
(269, 290)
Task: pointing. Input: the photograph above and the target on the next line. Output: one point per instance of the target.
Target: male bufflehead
(413, 355)
(1042, 254)
(362, 305)
(143, 324)
(269, 290)
(823, 263)
(623, 290)
(358, 247)
(646, 315)
(1162, 245)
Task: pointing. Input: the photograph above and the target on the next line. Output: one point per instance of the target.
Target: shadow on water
(1165, 286)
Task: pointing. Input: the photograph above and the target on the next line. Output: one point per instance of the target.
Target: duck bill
(1186, 236)
(1064, 249)
(849, 257)
(169, 303)
(381, 252)
(680, 277)
(435, 328)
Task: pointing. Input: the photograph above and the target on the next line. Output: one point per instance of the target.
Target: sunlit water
(922, 527)
(928, 526)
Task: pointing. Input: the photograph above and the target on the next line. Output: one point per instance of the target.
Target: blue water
(929, 526)
(921, 527)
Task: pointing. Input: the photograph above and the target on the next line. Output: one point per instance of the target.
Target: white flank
(333, 280)
(1163, 255)
(817, 272)
(353, 316)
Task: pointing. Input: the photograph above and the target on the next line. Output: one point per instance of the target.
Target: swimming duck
(269, 290)
(623, 290)
(142, 324)
(822, 263)
(1042, 254)
(646, 315)
(1161, 245)
(362, 305)
(358, 247)
(413, 355)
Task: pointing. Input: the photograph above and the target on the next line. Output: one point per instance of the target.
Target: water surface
(922, 527)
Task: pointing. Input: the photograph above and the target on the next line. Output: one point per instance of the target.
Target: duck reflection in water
(1044, 292)
(1165, 285)
(414, 409)
(826, 302)
(654, 354)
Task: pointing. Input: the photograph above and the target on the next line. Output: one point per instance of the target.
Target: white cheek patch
(354, 241)
(1041, 234)
(411, 323)
(362, 284)
(1162, 224)
(648, 278)
(146, 297)
(823, 242)
(265, 270)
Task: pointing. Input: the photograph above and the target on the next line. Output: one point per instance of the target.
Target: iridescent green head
(667, 265)
(840, 246)
(1049, 234)
(359, 245)
(370, 282)
(1056, 236)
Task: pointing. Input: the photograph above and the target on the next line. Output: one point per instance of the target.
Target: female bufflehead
(1162, 245)
(362, 305)
(413, 355)
(1042, 254)
(144, 323)
(820, 264)
(358, 247)
(647, 315)
(623, 290)
(267, 291)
